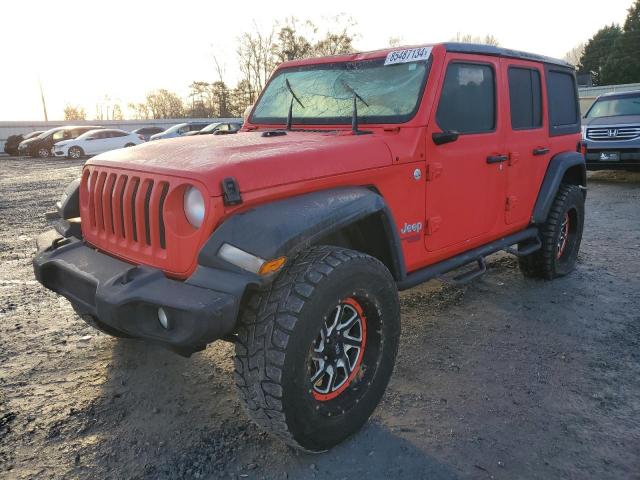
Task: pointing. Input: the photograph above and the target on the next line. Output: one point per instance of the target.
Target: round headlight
(194, 206)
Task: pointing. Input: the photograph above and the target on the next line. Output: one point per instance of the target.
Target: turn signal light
(272, 266)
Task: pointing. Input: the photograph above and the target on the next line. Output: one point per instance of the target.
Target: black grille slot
(163, 196)
(136, 184)
(113, 179)
(147, 201)
(121, 212)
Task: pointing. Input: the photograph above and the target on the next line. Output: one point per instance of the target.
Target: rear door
(526, 137)
(465, 178)
(118, 139)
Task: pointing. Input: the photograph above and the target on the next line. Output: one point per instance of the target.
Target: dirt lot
(506, 378)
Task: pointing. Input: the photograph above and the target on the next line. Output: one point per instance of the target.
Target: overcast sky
(84, 50)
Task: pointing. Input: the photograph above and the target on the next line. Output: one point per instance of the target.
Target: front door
(465, 177)
(97, 143)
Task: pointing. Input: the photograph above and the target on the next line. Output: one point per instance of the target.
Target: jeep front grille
(126, 213)
(613, 133)
(127, 208)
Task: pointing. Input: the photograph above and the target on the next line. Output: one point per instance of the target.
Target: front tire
(314, 353)
(75, 153)
(561, 235)
(44, 152)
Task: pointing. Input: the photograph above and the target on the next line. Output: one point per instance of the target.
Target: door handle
(540, 151)
(497, 158)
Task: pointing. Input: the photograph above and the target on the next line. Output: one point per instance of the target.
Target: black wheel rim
(337, 352)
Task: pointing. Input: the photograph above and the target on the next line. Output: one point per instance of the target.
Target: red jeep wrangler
(355, 176)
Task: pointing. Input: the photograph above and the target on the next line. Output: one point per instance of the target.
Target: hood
(254, 160)
(615, 120)
(29, 141)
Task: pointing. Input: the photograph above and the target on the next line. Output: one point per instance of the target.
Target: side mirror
(448, 136)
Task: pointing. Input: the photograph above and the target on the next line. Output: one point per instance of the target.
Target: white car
(96, 141)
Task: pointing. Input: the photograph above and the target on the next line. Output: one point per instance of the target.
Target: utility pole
(44, 105)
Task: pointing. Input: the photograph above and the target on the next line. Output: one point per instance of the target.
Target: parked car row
(188, 129)
(78, 141)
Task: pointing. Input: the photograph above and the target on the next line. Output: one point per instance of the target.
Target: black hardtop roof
(479, 49)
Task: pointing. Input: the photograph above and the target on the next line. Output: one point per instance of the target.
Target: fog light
(163, 318)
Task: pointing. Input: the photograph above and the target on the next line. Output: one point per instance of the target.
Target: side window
(525, 98)
(59, 135)
(563, 104)
(117, 133)
(468, 99)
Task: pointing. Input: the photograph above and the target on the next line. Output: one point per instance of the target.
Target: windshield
(386, 94)
(611, 107)
(48, 132)
(175, 128)
(210, 128)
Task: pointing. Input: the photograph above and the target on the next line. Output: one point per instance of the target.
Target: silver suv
(611, 132)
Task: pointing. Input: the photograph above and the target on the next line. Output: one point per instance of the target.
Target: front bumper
(126, 298)
(627, 151)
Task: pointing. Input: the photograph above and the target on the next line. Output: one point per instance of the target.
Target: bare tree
(337, 42)
(255, 51)
(164, 104)
(574, 55)
(468, 38)
(116, 112)
(74, 112)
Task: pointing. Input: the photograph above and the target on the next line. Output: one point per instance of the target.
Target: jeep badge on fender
(294, 236)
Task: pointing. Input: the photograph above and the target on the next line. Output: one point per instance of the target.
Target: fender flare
(558, 166)
(288, 226)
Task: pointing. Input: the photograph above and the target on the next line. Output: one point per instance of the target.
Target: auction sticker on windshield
(408, 55)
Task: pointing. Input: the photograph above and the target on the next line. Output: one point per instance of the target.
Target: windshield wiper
(354, 114)
(293, 96)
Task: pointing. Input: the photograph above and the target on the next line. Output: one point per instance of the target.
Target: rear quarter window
(564, 116)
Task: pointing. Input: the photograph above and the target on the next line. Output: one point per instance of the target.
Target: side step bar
(475, 255)
(467, 277)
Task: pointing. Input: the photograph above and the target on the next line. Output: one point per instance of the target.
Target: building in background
(589, 94)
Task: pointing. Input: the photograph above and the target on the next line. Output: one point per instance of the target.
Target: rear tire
(561, 235)
(44, 152)
(130, 145)
(314, 352)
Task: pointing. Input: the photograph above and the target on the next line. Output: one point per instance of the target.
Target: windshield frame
(608, 98)
(346, 120)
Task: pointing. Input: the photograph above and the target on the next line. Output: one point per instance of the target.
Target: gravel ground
(505, 378)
